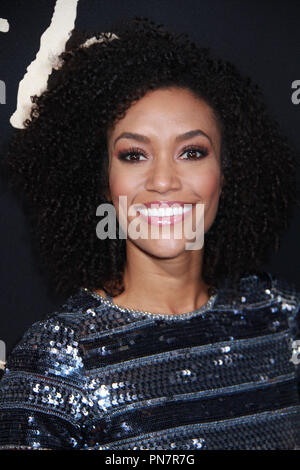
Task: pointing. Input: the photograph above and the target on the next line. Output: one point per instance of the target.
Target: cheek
(207, 184)
(121, 182)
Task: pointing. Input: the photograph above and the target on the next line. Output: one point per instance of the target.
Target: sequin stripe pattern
(34, 429)
(194, 408)
(273, 317)
(289, 297)
(191, 369)
(48, 348)
(45, 395)
(264, 431)
(156, 337)
(43, 398)
(94, 376)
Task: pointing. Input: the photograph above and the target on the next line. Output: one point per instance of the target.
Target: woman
(162, 343)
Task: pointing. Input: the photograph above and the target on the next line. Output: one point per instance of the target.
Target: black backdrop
(262, 37)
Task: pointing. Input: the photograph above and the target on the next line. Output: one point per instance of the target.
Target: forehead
(166, 111)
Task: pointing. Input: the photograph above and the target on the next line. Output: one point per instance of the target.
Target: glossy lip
(167, 219)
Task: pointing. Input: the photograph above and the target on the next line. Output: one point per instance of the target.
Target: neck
(162, 285)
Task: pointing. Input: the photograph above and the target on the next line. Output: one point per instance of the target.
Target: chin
(163, 248)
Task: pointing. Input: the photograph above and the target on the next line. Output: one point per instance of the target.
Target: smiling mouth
(165, 216)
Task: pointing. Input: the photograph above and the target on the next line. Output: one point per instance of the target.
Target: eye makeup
(136, 152)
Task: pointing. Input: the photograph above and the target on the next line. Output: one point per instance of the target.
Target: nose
(163, 175)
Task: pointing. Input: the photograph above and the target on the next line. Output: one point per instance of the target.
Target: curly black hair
(58, 163)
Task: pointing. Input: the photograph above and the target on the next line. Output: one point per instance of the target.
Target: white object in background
(53, 42)
(2, 354)
(2, 92)
(4, 25)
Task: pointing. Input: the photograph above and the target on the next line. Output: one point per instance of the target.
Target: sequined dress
(93, 375)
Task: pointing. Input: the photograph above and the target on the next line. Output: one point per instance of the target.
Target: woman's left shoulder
(277, 285)
(258, 289)
(264, 286)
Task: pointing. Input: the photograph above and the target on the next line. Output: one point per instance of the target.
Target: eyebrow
(179, 138)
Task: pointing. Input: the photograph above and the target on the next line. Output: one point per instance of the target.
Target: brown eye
(194, 153)
(132, 155)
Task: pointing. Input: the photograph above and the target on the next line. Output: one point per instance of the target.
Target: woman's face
(166, 148)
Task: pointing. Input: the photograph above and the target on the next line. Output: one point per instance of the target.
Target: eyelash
(135, 151)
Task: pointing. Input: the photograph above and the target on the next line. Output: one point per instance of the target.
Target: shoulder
(261, 288)
(51, 346)
(264, 285)
(47, 348)
(44, 383)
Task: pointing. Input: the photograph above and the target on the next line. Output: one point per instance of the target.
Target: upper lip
(166, 203)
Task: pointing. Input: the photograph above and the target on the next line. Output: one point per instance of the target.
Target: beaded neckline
(204, 308)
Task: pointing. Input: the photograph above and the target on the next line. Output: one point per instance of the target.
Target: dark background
(261, 37)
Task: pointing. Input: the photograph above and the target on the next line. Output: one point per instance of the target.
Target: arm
(43, 403)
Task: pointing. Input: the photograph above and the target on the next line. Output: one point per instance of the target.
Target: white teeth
(164, 212)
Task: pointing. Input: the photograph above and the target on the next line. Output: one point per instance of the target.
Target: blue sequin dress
(93, 375)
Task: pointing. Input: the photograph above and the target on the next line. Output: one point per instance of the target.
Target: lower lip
(165, 220)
